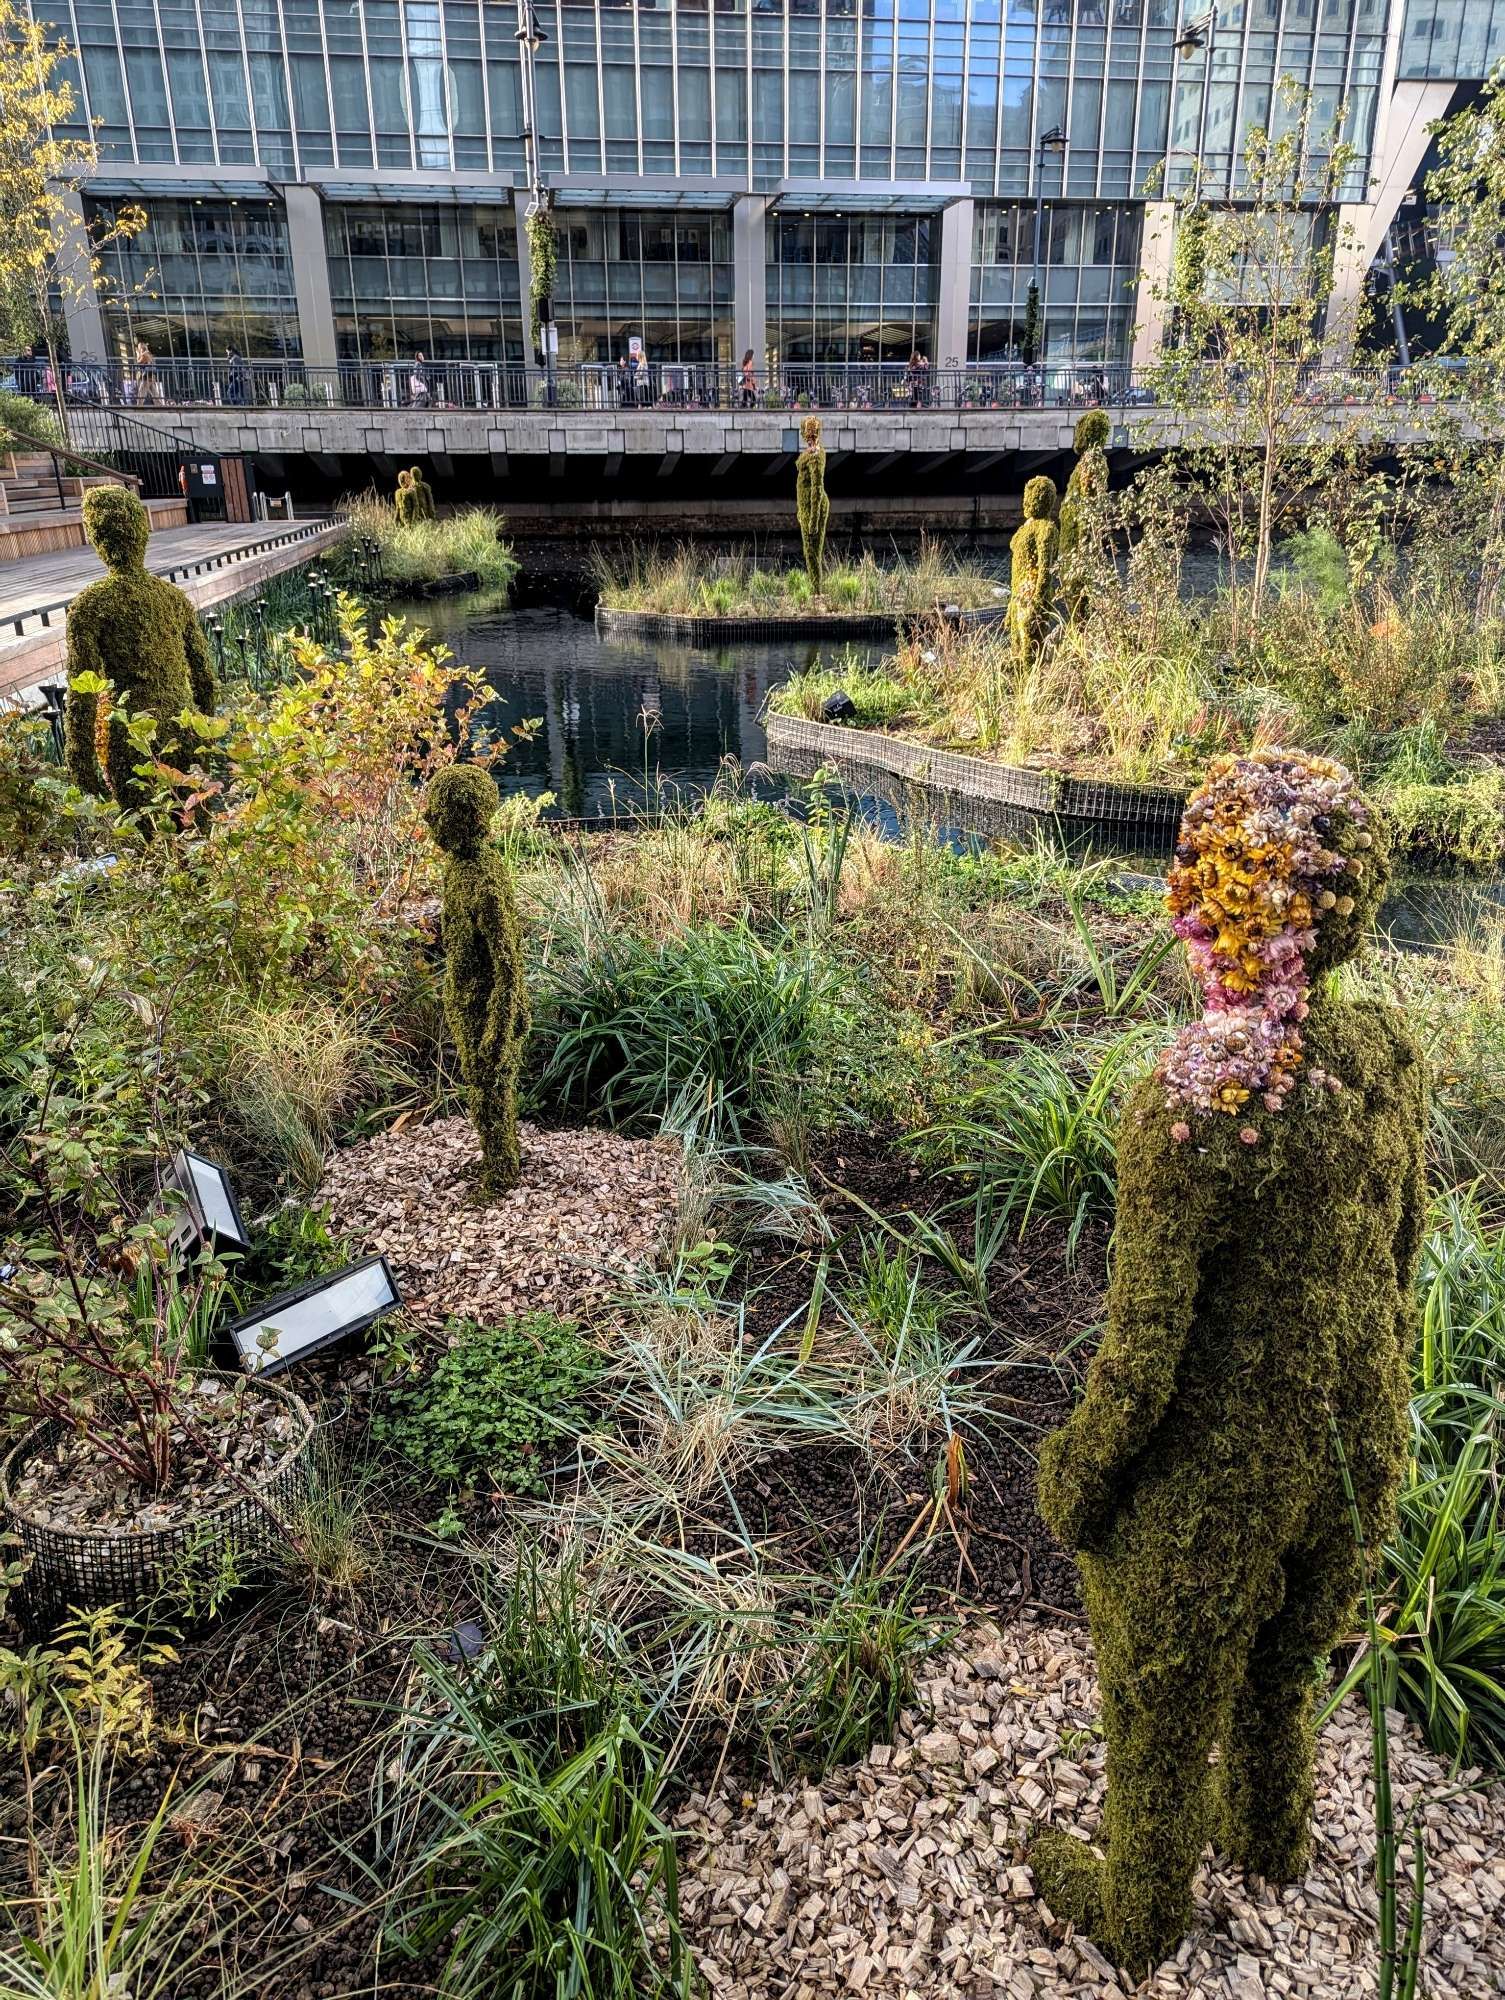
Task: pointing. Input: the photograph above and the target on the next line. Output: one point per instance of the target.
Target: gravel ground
(904, 1875)
(590, 1207)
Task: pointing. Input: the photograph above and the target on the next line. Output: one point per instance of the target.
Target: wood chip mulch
(591, 1208)
(904, 1876)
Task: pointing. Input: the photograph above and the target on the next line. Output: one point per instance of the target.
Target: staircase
(28, 485)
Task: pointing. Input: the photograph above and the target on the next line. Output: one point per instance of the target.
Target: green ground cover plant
(495, 1406)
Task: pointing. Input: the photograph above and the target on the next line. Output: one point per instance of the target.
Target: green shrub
(36, 420)
(1443, 1615)
(497, 1404)
(1038, 1135)
(710, 1017)
(1461, 820)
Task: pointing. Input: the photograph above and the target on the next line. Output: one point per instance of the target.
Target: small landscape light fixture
(298, 1323)
(210, 1214)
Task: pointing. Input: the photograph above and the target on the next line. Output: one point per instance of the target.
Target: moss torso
(1304, 1260)
(142, 635)
(486, 1001)
(1032, 567)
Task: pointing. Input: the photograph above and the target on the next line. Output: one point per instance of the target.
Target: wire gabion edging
(88, 1568)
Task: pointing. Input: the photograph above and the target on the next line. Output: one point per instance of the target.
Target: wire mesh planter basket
(87, 1568)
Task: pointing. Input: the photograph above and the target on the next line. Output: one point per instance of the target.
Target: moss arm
(200, 667)
(1170, 1210)
(81, 710)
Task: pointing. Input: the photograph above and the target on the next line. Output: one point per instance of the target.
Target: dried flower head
(1265, 846)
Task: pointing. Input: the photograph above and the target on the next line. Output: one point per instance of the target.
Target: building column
(749, 279)
(1152, 303)
(305, 239)
(1407, 115)
(83, 321)
(953, 304)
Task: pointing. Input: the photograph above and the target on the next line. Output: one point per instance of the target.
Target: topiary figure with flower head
(1032, 570)
(135, 647)
(485, 997)
(1271, 1193)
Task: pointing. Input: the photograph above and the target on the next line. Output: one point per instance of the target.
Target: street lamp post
(1199, 38)
(1053, 141)
(530, 38)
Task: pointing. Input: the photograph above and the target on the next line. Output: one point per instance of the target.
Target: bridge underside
(629, 462)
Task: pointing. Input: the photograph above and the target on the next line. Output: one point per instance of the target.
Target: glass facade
(1088, 267)
(202, 277)
(432, 278)
(1452, 39)
(757, 90)
(661, 276)
(640, 101)
(851, 288)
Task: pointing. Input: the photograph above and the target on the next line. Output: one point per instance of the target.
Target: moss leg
(1267, 1777)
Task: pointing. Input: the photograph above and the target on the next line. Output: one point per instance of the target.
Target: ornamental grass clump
(1271, 1198)
(135, 648)
(485, 998)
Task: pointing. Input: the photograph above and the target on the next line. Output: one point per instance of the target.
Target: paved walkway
(212, 563)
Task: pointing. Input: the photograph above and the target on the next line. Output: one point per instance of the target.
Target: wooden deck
(212, 563)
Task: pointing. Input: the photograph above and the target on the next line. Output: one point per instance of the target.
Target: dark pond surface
(613, 711)
(613, 714)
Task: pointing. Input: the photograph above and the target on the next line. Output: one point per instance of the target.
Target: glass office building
(818, 180)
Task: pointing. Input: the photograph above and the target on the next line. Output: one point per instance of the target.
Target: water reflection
(613, 712)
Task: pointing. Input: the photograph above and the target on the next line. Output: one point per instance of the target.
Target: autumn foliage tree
(49, 251)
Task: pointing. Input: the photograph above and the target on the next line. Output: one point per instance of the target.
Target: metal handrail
(594, 388)
(65, 455)
(303, 531)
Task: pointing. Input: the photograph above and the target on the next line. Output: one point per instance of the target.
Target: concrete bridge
(639, 464)
(608, 448)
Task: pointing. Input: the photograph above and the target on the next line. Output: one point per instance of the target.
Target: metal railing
(68, 465)
(110, 389)
(39, 617)
(153, 456)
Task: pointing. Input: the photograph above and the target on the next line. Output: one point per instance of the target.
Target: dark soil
(829, 1505)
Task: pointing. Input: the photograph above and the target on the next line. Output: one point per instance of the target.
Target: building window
(430, 278)
(851, 288)
(1088, 271)
(661, 277)
(202, 277)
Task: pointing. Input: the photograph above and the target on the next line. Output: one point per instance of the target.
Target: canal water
(620, 722)
(624, 723)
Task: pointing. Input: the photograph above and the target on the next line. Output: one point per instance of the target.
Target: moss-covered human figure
(405, 500)
(1032, 570)
(1271, 1196)
(485, 994)
(141, 635)
(812, 503)
(1081, 511)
